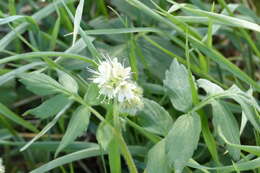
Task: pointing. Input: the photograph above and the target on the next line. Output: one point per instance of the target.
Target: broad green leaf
(6, 112)
(68, 82)
(182, 140)
(248, 104)
(40, 83)
(209, 87)
(104, 135)
(157, 161)
(178, 86)
(92, 95)
(77, 126)
(224, 120)
(155, 118)
(50, 107)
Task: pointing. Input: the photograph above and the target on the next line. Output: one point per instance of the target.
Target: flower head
(133, 103)
(2, 168)
(114, 82)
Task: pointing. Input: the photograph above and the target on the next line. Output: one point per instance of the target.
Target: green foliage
(196, 62)
(179, 87)
(46, 109)
(76, 127)
(185, 133)
(155, 118)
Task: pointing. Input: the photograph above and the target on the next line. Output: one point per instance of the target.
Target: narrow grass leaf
(12, 19)
(227, 20)
(77, 20)
(55, 33)
(47, 127)
(243, 166)
(251, 149)
(12, 74)
(86, 153)
(6, 112)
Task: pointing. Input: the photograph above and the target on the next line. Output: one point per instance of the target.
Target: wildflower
(109, 76)
(114, 82)
(126, 91)
(133, 103)
(2, 168)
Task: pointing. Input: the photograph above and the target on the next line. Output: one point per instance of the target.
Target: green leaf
(155, 118)
(224, 120)
(77, 20)
(40, 83)
(178, 86)
(86, 153)
(91, 151)
(209, 87)
(157, 161)
(47, 127)
(50, 107)
(243, 166)
(12, 74)
(182, 140)
(248, 148)
(68, 82)
(38, 16)
(77, 126)
(227, 20)
(55, 33)
(6, 112)
(248, 104)
(104, 135)
(12, 19)
(92, 96)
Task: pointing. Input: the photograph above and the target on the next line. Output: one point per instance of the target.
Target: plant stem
(124, 149)
(114, 147)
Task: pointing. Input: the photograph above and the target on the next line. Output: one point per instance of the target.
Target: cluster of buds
(114, 81)
(2, 168)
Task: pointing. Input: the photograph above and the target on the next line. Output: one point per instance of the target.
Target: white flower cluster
(114, 82)
(2, 168)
